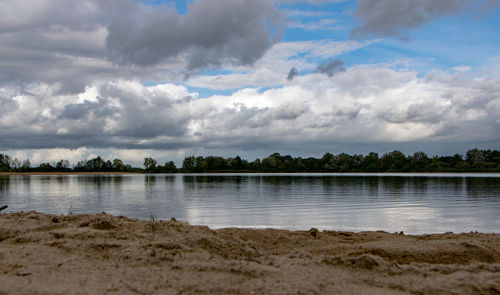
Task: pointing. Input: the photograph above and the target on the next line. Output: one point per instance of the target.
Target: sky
(130, 79)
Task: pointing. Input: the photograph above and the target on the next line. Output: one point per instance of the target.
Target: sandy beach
(104, 254)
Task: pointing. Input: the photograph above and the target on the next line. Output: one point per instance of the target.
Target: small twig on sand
(3, 207)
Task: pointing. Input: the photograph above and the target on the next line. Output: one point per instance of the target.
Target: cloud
(273, 68)
(304, 13)
(331, 67)
(74, 43)
(259, 77)
(209, 34)
(63, 43)
(462, 69)
(116, 111)
(393, 18)
(68, 44)
(313, 2)
(73, 14)
(366, 105)
(322, 24)
(292, 74)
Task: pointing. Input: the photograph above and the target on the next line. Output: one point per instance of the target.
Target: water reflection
(414, 203)
(4, 189)
(483, 188)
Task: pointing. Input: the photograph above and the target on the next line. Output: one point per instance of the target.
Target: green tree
(117, 165)
(327, 163)
(150, 164)
(200, 165)
(188, 165)
(170, 167)
(96, 164)
(15, 164)
(236, 163)
(255, 165)
(393, 161)
(272, 163)
(475, 158)
(217, 163)
(4, 163)
(310, 164)
(46, 167)
(347, 163)
(62, 165)
(26, 165)
(370, 163)
(419, 161)
(299, 165)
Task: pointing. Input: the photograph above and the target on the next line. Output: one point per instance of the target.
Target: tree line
(475, 160)
(98, 164)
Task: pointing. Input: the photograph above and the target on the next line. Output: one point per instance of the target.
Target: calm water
(412, 203)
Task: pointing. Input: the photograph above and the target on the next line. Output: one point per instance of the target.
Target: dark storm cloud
(59, 42)
(331, 67)
(75, 14)
(73, 43)
(99, 109)
(292, 74)
(212, 32)
(394, 17)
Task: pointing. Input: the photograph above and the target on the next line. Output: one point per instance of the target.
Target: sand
(104, 254)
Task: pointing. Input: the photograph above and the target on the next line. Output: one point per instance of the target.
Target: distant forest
(475, 160)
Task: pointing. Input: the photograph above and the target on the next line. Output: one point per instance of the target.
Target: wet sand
(104, 254)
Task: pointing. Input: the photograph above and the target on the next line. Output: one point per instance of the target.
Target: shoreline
(89, 254)
(68, 173)
(494, 174)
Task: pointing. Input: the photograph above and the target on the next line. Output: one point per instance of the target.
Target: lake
(413, 203)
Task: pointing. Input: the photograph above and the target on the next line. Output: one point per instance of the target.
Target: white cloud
(261, 78)
(461, 69)
(273, 68)
(315, 2)
(366, 104)
(326, 24)
(304, 13)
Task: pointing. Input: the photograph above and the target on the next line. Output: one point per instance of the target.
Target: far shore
(67, 173)
(252, 172)
(105, 254)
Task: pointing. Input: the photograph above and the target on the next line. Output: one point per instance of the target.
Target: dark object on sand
(3, 207)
